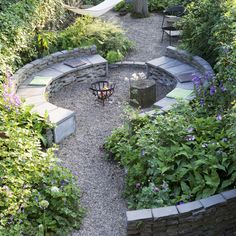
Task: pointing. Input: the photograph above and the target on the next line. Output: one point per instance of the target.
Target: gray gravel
(102, 181)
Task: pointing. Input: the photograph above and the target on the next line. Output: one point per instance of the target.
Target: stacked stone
(184, 56)
(35, 66)
(58, 75)
(139, 222)
(215, 215)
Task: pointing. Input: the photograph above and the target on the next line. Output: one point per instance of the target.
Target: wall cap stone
(137, 215)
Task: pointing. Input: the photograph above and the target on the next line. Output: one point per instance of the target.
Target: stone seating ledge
(176, 69)
(61, 75)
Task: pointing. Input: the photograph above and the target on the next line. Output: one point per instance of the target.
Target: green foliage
(179, 156)
(153, 5)
(38, 196)
(157, 5)
(209, 31)
(114, 56)
(87, 31)
(20, 22)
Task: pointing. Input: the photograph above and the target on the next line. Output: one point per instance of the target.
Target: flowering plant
(212, 95)
(136, 77)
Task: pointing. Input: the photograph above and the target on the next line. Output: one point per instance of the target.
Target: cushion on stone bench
(179, 93)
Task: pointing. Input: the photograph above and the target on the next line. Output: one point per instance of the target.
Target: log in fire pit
(102, 90)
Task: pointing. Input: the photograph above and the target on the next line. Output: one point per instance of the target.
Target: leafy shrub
(114, 56)
(216, 97)
(38, 197)
(87, 31)
(124, 5)
(209, 30)
(153, 5)
(157, 5)
(20, 21)
(179, 156)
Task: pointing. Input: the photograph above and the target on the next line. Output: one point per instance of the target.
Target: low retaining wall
(59, 75)
(215, 215)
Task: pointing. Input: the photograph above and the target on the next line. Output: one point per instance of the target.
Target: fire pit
(102, 90)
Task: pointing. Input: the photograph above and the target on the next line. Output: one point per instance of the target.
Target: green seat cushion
(179, 93)
(40, 80)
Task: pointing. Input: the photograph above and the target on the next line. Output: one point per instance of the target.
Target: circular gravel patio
(102, 181)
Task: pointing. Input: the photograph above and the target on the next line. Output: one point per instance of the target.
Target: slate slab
(50, 73)
(62, 67)
(180, 69)
(165, 102)
(164, 212)
(229, 195)
(44, 107)
(179, 93)
(213, 201)
(30, 91)
(58, 115)
(187, 85)
(96, 59)
(160, 61)
(138, 215)
(189, 207)
(35, 100)
(187, 76)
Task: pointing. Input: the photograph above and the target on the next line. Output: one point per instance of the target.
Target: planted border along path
(101, 181)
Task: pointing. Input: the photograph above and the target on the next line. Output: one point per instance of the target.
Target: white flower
(55, 189)
(44, 204)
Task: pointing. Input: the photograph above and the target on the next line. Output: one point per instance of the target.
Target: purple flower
(142, 153)
(202, 102)
(212, 90)
(9, 96)
(224, 140)
(222, 87)
(190, 138)
(137, 185)
(204, 145)
(219, 117)
(156, 189)
(209, 75)
(190, 129)
(180, 203)
(197, 81)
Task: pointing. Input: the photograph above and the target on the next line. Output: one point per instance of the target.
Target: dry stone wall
(214, 216)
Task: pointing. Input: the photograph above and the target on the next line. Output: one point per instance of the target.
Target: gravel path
(100, 180)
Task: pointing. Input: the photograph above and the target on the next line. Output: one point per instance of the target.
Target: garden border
(215, 215)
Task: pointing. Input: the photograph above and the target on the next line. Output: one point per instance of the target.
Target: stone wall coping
(135, 64)
(198, 206)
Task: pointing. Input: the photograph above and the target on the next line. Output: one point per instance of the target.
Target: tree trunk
(140, 8)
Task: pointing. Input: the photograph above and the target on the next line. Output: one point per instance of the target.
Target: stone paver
(164, 212)
(165, 102)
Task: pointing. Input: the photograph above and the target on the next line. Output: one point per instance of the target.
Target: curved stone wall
(214, 216)
(58, 74)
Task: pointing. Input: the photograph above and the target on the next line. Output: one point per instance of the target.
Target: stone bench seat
(176, 70)
(58, 75)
